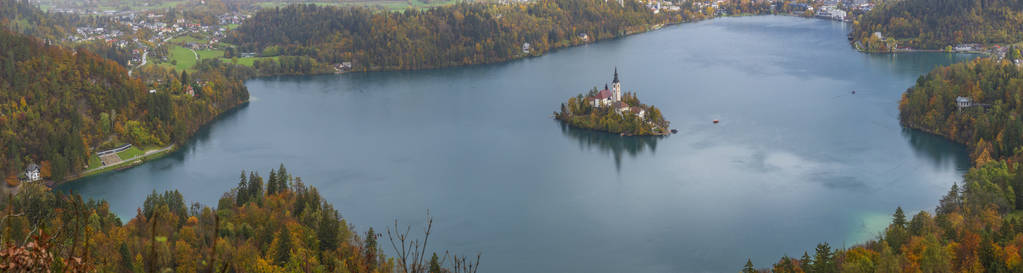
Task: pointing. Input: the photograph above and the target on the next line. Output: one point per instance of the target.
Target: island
(613, 111)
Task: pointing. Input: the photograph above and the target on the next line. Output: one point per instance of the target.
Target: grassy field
(94, 161)
(184, 57)
(210, 54)
(130, 153)
(181, 40)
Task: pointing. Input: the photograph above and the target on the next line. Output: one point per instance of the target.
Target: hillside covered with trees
(465, 33)
(992, 128)
(276, 224)
(928, 24)
(57, 106)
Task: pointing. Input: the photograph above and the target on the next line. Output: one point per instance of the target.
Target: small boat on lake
(716, 121)
(674, 131)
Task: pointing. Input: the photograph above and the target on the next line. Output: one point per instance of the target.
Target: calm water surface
(797, 159)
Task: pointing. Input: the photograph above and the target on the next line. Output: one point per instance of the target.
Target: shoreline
(148, 155)
(139, 160)
(124, 164)
(647, 29)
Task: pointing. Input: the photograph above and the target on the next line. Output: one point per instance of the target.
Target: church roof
(616, 75)
(603, 94)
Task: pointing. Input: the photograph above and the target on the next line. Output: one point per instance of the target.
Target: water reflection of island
(614, 144)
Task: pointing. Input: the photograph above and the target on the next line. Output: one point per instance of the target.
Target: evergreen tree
(255, 191)
(435, 264)
(897, 234)
(327, 230)
(370, 248)
(1018, 189)
(243, 190)
(952, 201)
(271, 184)
(899, 218)
(805, 263)
(824, 260)
(745, 269)
(126, 259)
(184, 78)
(283, 178)
(282, 251)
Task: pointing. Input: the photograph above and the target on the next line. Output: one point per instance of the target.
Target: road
(144, 60)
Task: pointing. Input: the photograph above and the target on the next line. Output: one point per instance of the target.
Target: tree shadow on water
(612, 144)
(938, 150)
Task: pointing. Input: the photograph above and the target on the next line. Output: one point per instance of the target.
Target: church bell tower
(616, 87)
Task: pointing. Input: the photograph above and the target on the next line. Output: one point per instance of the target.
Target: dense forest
(580, 112)
(57, 106)
(460, 34)
(276, 224)
(930, 24)
(992, 128)
(438, 37)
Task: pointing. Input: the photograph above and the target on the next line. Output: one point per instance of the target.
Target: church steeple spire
(616, 88)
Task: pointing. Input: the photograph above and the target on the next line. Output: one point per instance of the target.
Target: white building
(32, 172)
(963, 102)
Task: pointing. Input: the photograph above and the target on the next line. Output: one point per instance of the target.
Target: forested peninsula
(279, 225)
(58, 106)
(938, 25)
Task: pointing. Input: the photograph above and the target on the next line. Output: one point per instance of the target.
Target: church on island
(613, 98)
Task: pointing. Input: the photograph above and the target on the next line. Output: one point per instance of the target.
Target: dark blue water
(796, 160)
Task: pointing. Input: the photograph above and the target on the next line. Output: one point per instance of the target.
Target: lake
(797, 159)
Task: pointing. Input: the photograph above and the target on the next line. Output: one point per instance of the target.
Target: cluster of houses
(831, 12)
(657, 6)
(156, 23)
(613, 98)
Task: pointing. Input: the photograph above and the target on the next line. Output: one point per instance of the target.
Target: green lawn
(184, 57)
(94, 162)
(129, 153)
(181, 40)
(210, 54)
